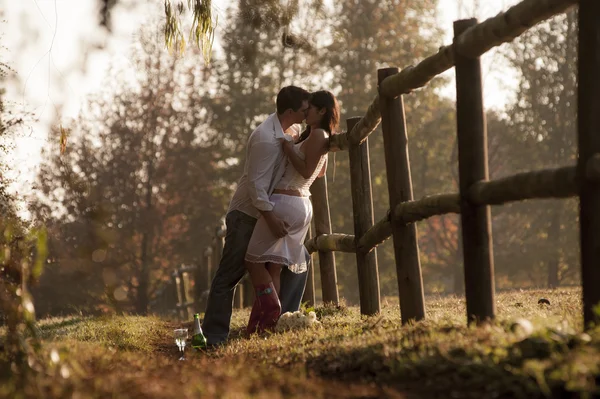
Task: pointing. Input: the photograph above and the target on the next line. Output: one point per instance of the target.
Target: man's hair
(291, 97)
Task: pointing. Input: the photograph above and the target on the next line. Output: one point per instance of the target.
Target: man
(265, 164)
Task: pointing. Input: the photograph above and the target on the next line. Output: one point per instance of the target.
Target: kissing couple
(270, 212)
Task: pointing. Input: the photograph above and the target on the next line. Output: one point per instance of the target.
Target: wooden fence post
(177, 284)
(248, 291)
(208, 262)
(182, 307)
(362, 204)
(199, 282)
(322, 221)
(473, 167)
(173, 294)
(588, 126)
(187, 303)
(397, 165)
(238, 296)
(309, 291)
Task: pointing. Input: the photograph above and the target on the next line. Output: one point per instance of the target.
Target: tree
(123, 201)
(22, 255)
(543, 122)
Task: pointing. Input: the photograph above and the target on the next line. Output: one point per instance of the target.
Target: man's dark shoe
(213, 347)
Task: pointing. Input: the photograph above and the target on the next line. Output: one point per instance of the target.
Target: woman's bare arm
(314, 147)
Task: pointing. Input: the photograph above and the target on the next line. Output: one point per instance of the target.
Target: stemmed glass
(181, 335)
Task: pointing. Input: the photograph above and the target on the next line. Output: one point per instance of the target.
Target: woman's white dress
(296, 212)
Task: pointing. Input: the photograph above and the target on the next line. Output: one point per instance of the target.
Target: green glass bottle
(198, 339)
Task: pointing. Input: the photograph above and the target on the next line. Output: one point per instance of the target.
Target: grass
(348, 356)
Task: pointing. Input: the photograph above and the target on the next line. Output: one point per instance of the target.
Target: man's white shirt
(264, 167)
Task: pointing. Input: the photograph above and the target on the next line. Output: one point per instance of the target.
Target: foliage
(22, 256)
(348, 356)
(122, 202)
(9, 121)
(202, 30)
(542, 134)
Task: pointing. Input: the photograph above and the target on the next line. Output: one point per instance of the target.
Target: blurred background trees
(137, 188)
(538, 241)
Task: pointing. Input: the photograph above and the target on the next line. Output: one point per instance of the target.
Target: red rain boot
(254, 317)
(269, 305)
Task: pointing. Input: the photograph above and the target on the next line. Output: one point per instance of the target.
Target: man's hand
(293, 133)
(278, 227)
(287, 146)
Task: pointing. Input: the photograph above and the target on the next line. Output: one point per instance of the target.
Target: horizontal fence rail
(541, 184)
(332, 242)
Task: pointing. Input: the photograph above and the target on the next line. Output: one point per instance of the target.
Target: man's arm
(262, 157)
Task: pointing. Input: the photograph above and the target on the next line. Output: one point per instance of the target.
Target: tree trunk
(144, 274)
(142, 294)
(554, 247)
(458, 269)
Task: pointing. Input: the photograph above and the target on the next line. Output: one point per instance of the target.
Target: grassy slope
(348, 356)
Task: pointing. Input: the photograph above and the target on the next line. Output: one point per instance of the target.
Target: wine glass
(181, 335)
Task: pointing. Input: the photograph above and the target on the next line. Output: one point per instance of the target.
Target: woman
(267, 254)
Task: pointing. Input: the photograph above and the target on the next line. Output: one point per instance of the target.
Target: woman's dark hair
(324, 99)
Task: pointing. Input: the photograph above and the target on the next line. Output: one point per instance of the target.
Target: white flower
(296, 321)
(54, 356)
(64, 372)
(522, 326)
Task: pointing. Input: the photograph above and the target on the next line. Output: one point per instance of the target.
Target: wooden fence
(476, 191)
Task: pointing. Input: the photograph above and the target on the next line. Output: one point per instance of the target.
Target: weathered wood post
(248, 291)
(208, 262)
(187, 304)
(397, 166)
(172, 297)
(202, 276)
(473, 167)
(588, 126)
(177, 283)
(182, 301)
(362, 207)
(238, 297)
(322, 221)
(309, 291)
